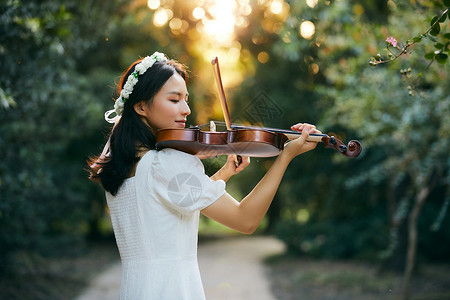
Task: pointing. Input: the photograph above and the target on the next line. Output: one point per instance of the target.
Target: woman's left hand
(301, 144)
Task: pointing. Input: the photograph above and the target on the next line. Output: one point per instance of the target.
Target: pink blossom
(392, 41)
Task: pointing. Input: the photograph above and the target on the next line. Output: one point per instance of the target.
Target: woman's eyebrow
(177, 93)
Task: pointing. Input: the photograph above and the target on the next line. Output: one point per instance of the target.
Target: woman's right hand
(300, 145)
(231, 168)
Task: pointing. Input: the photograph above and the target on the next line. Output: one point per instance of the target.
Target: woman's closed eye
(178, 100)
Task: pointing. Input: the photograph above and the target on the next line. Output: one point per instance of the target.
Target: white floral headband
(139, 69)
(132, 79)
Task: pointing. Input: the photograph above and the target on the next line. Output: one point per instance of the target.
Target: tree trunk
(412, 241)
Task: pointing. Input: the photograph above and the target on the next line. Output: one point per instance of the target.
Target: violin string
(243, 126)
(222, 123)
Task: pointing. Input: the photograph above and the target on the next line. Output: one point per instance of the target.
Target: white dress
(155, 219)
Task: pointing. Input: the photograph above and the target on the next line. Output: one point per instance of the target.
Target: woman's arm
(245, 216)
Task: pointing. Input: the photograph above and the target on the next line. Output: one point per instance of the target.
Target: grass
(302, 278)
(39, 278)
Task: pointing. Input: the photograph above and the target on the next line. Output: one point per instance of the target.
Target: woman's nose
(186, 110)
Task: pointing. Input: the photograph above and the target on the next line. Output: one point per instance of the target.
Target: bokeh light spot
(307, 29)
(263, 57)
(312, 3)
(153, 4)
(162, 16)
(198, 13)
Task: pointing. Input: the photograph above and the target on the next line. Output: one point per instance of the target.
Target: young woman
(155, 197)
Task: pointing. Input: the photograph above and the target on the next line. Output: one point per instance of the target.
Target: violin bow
(221, 90)
(223, 102)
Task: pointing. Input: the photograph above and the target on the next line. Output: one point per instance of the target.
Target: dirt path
(231, 269)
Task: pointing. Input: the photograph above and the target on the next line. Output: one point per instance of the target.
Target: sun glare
(213, 26)
(221, 26)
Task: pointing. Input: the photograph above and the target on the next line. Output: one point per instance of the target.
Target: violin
(241, 140)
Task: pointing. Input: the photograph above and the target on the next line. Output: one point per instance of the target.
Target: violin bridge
(212, 126)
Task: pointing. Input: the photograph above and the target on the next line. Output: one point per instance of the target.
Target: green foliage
(440, 54)
(48, 123)
(400, 114)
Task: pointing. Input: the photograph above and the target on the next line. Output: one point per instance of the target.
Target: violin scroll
(352, 149)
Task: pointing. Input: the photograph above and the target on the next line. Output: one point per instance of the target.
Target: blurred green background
(303, 61)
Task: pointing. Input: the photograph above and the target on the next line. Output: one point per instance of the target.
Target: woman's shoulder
(163, 165)
(170, 158)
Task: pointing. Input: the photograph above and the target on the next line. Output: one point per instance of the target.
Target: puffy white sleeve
(178, 180)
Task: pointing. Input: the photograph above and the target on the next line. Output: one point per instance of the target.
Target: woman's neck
(140, 152)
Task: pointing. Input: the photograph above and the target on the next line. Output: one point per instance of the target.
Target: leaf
(417, 39)
(429, 55)
(431, 38)
(442, 19)
(439, 46)
(447, 36)
(433, 20)
(435, 30)
(447, 3)
(441, 58)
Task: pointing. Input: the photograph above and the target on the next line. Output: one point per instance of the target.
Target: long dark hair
(130, 133)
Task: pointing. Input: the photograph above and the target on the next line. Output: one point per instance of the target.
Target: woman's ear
(141, 108)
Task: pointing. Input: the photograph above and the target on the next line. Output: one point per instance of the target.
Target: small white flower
(148, 62)
(129, 86)
(125, 93)
(140, 68)
(159, 56)
(118, 106)
(132, 80)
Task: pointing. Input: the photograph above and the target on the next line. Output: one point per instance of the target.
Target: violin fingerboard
(311, 138)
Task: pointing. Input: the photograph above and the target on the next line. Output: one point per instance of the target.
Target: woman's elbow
(249, 228)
